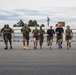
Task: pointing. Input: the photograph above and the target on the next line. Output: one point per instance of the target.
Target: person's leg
(23, 43)
(41, 42)
(59, 43)
(61, 39)
(27, 42)
(58, 38)
(4, 39)
(10, 41)
(27, 38)
(67, 41)
(67, 44)
(6, 42)
(70, 43)
(50, 43)
(34, 42)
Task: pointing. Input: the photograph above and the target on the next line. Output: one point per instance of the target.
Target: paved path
(37, 62)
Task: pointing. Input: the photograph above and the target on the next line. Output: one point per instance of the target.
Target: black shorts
(26, 37)
(41, 39)
(7, 37)
(59, 37)
(68, 37)
(49, 38)
(37, 37)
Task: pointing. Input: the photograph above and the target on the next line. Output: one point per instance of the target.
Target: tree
(42, 25)
(19, 24)
(14, 25)
(32, 23)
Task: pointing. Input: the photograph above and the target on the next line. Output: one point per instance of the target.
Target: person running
(59, 32)
(3, 34)
(25, 31)
(41, 36)
(7, 31)
(50, 33)
(69, 35)
(35, 36)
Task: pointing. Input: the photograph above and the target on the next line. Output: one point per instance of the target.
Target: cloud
(30, 12)
(5, 15)
(55, 14)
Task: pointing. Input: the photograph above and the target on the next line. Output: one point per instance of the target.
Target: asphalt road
(37, 62)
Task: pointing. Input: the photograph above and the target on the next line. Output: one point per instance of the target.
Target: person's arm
(43, 32)
(62, 30)
(72, 33)
(12, 31)
(22, 30)
(65, 32)
(2, 30)
(56, 31)
(6, 32)
(38, 32)
(29, 30)
(47, 33)
(33, 32)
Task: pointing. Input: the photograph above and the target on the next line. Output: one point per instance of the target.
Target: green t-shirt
(25, 31)
(41, 31)
(35, 31)
(7, 31)
(68, 32)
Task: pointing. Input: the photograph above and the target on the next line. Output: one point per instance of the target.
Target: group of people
(38, 35)
(6, 30)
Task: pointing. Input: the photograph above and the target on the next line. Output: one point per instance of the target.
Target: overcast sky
(11, 11)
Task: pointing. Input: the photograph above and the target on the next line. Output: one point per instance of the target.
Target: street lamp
(48, 19)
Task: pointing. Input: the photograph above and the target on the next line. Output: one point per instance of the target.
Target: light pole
(48, 19)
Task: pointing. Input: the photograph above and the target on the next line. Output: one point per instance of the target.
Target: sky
(11, 11)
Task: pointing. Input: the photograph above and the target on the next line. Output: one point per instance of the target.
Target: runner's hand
(57, 32)
(27, 30)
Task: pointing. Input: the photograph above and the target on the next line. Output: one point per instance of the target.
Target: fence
(17, 36)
